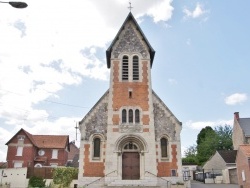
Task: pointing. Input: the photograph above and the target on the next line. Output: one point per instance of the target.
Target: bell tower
(130, 106)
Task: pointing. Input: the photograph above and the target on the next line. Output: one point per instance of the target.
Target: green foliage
(64, 176)
(208, 141)
(203, 133)
(225, 137)
(36, 182)
(190, 155)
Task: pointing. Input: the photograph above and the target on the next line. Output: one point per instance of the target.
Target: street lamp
(16, 4)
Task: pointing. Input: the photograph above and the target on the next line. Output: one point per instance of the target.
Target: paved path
(195, 184)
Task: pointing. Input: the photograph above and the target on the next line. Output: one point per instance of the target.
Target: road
(195, 184)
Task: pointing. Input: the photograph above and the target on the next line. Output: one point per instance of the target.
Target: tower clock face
(41, 152)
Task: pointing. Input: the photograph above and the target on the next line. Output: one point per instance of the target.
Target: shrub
(36, 182)
(64, 176)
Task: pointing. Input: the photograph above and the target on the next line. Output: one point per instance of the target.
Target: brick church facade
(130, 134)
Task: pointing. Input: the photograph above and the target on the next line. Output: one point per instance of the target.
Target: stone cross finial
(130, 7)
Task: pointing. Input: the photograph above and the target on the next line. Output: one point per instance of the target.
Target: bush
(64, 176)
(36, 182)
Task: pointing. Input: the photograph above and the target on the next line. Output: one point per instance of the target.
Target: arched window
(125, 68)
(124, 116)
(97, 145)
(164, 147)
(137, 116)
(135, 68)
(130, 115)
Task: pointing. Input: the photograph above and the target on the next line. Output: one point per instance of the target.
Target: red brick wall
(140, 92)
(92, 169)
(243, 165)
(27, 156)
(164, 168)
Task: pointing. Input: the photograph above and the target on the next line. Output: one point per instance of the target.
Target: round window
(41, 152)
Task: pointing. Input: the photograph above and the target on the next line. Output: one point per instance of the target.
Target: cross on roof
(130, 7)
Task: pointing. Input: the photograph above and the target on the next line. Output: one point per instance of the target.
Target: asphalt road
(202, 185)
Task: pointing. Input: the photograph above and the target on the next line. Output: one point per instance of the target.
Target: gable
(24, 133)
(164, 120)
(96, 120)
(215, 162)
(130, 38)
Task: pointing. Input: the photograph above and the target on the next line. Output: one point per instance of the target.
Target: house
(73, 155)
(222, 163)
(27, 150)
(241, 131)
(130, 134)
(3, 165)
(243, 166)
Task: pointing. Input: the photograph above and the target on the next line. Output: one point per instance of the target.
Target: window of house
(124, 116)
(125, 68)
(20, 139)
(54, 153)
(18, 164)
(97, 147)
(135, 68)
(137, 116)
(53, 164)
(173, 172)
(19, 151)
(130, 115)
(164, 147)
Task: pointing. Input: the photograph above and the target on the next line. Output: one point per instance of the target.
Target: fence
(43, 172)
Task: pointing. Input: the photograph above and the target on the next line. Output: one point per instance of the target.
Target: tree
(225, 137)
(190, 155)
(209, 140)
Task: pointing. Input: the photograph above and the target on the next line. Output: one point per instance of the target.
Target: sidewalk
(196, 184)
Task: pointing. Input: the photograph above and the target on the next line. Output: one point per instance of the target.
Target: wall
(243, 166)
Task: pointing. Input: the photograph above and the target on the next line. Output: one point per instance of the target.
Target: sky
(53, 65)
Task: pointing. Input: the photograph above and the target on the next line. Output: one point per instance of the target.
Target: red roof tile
(51, 141)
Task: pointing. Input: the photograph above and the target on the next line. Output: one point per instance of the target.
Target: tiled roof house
(241, 131)
(27, 150)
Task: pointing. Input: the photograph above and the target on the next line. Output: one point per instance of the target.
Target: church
(130, 137)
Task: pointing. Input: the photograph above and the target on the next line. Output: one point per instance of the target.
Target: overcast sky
(53, 67)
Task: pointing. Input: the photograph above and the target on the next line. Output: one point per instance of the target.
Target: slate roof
(245, 149)
(3, 165)
(150, 49)
(229, 156)
(46, 141)
(245, 125)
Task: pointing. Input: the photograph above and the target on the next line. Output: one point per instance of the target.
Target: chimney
(236, 115)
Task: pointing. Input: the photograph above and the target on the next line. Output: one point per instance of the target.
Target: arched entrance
(130, 162)
(130, 150)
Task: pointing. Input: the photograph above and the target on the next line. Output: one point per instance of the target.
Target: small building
(27, 150)
(241, 131)
(243, 166)
(73, 155)
(223, 164)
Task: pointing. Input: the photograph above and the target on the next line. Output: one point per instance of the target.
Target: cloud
(162, 11)
(172, 81)
(202, 124)
(236, 98)
(196, 13)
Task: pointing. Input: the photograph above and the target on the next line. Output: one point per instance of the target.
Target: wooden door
(130, 166)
